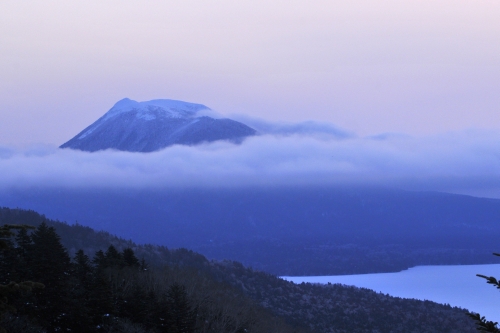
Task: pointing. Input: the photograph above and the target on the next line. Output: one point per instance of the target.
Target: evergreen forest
(57, 277)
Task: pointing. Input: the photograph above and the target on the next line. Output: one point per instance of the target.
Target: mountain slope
(289, 231)
(153, 125)
(321, 308)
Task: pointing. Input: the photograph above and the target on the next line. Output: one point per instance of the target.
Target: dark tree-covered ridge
(232, 295)
(113, 292)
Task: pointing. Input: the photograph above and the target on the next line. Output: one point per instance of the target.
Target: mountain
(152, 125)
(288, 231)
(228, 296)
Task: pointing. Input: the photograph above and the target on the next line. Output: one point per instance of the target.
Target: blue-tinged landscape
(148, 173)
(172, 167)
(455, 285)
(288, 230)
(115, 284)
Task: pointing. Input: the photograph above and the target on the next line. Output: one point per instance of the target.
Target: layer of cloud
(319, 130)
(465, 162)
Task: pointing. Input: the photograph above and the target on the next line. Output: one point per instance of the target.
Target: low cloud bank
(319, 130)
(465, 162)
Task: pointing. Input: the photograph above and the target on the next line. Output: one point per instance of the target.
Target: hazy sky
(368, 66)
(429, 70)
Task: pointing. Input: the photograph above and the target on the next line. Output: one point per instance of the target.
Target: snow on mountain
(152, 125)
(171, 108)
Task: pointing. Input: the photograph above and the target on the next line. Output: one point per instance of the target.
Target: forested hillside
(116, 292)
(97, 282)
(288, 230)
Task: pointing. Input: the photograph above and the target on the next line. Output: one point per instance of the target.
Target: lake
(454, 285)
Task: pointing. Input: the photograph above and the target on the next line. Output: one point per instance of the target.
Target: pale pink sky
(417, 67)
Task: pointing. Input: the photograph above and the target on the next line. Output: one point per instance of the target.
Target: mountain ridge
(289, 231)
(331, 308)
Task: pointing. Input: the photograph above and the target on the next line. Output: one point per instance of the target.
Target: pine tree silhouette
(484, 325)
(182, 316)
(81, 281)
(129, 258)
(113, 257)
(50, 265)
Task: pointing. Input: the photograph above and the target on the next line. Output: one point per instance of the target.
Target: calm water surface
(454, 285)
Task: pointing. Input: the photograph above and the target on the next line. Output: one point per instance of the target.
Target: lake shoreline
(456, 285)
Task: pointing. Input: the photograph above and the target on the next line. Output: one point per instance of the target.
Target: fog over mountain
(460, 162)
(320, 130)
(297, 199)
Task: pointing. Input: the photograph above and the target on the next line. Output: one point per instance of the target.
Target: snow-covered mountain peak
(149, 110)
(153, 125)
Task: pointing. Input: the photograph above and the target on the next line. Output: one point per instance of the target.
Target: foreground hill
(153, 125)
(289, 231)
(330, 308)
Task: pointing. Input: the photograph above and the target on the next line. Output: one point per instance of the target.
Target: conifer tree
(101, 302)
(50, 265)
(82, 268)
(23, 241)
(484, 325)
(113, 257)
(24, 244)
(181, 316)
(99, 260)
(129, 258)
(49, 255)
(79, 315)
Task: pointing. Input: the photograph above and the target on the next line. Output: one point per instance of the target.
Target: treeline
(232, 290)
(114, 291)
(336, 308)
